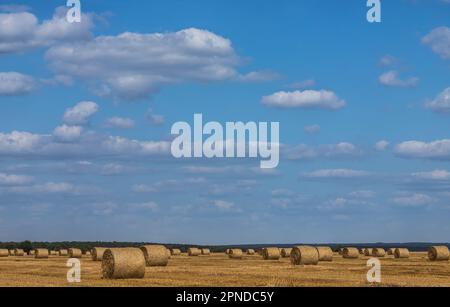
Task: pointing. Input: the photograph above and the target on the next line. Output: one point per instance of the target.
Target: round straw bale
(250, 251)
(350, 253)
(63, 252)
(206, 251)
(193, 251)
(41, 253)
(286, 252)
(75, 253)
(271, 253)
(19, 252)
(378, 252)
(175, 252)
(155, 255)
(11, 252)
(31, 253)
(227, 251)
(123, 263)
(401, 253)
(169, 254)
(368, 252)
(390, 251)
(361, 251)
(97, 253)
(304, 255)
(439, 253)
(88, 254)
(325, 253)
(235, 253)
(4, 253)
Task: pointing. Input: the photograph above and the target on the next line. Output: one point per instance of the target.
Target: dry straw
(250, 251)
(155, 255)
(227, 251)
(401, 253)
(63, 252)
(235, 253)
(325, 253)
(193, 251)
(88, 254)
(11, 252)
(97, 253)
(41, 253)
(286, 252)
(378, 252)
(368, 252)
(304, 255)
(271, 253)
(123, 263)
(361, 251)
(31, 253)
(4, 253)
(206, 251)
(169, 254)
(175, 252)
(75, 253)
(438, 253)
(19, 252)
(391, 251)
(350, 253)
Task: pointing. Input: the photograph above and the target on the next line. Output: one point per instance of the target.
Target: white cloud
(439, 150)
(120, 122)
(20, 31)
(306, 152)
(439, 41)
(68, 133)
(133, 66)
(81, 113)
(381, 145)
(258, 76)
(224, 205)
(14, 8)
(308, 99)
(414, 200)
(15, 84)
(150, 206)
(14, 180)
(336, 174)
(303, 84)
(155, 119)
(388, 60)
(362, 194)
(438, 175)
(441, 103)
(391, 78)
(312, 129)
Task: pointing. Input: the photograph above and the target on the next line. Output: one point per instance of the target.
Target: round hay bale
(169, 254)
(41, 253)
(235, 253)
(88, 254)
(31, 253)
(75, 253)
(325, 253)
(304, 255)
(350, 253)
(63, 252)
(368, 252)
(193, 252)
(123, 263)
(390, 251)
(227, 251)
(439, 253)
(97, 253)
(4, 253)
(378, 252)
(271, 253)
(250, 251)
(286, 252)
(155, 255)
(11, 252)
(19, 252)
(361, 251)
(401, 253)
(206, 251)
(175, 252)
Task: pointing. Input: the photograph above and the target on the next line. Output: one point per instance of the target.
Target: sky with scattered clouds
(86, 111)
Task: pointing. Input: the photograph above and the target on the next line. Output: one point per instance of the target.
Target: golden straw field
(218, 270)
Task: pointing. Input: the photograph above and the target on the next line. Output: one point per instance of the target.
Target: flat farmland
(217, 270)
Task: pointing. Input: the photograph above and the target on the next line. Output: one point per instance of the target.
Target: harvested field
(220, 271)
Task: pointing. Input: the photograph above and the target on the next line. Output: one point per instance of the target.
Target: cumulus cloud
(14, 8)
(306, 152)
(392, 79)
(441, 104)
(16, 84)
(308, 99)
(381, 145)
(439, 41)
(224, 205)
(258, 76)
(436, 175)
(133, 66)
(20, 31)
(336, 174)
(313, 129)
(14, 180)
(155, 119)
(80, 113)
(388, 60)
(413, 200)
(68, 133)
(120, 123)
(438, 150)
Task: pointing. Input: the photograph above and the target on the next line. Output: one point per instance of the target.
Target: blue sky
(86, 112)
